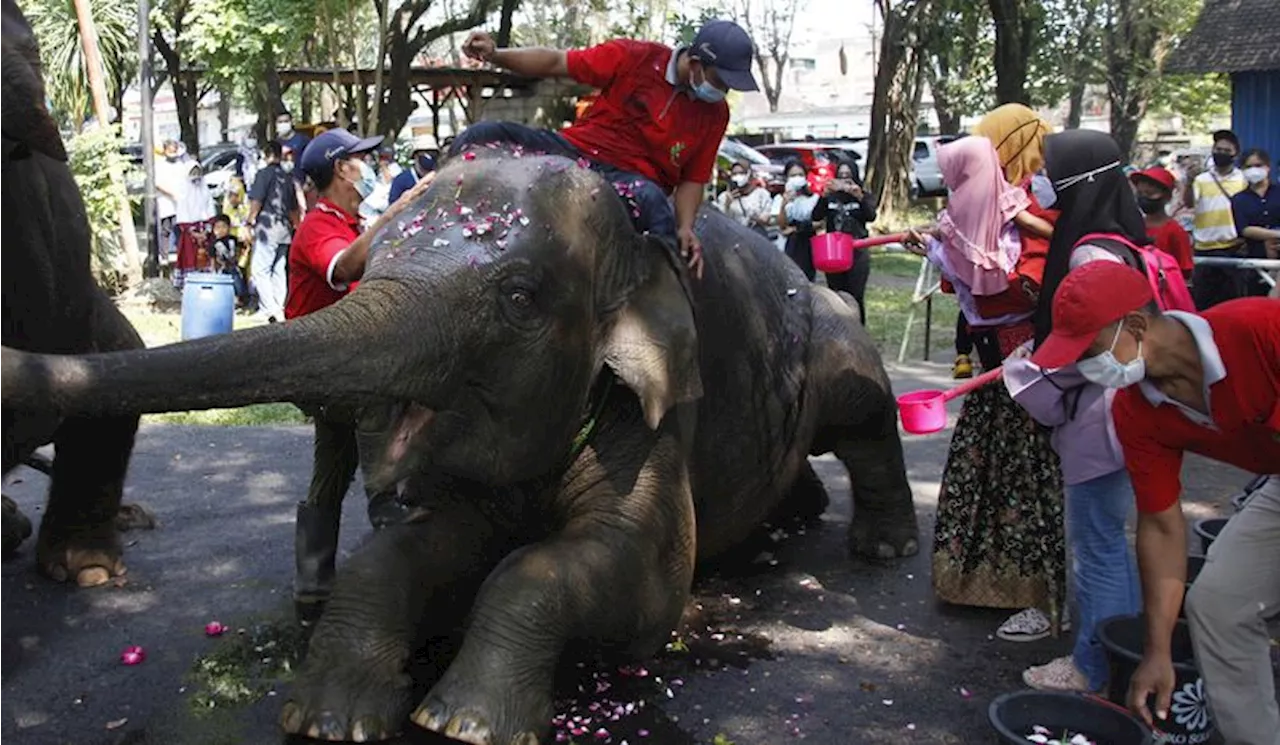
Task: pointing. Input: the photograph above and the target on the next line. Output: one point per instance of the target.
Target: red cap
(1091, 298)
(1160, 176)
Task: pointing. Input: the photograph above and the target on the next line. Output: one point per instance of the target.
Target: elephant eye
(521, 299)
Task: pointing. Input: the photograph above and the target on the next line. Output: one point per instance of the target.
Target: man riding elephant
(573, 426)
(52, 305)
(655, 128)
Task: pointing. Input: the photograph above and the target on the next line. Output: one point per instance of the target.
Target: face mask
(368, 180)
(1109, 372)
(287, 166)
(284, 128)
(739, 180)
(706, 92)
(1256, 174)
(796, 183)
(1151, 205)
(1042, 189)
(1222, 160)
(251, 143)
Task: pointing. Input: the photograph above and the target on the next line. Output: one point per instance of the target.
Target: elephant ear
(25, 120)
(652, 344)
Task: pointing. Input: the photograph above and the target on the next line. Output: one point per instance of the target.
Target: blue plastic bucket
(208, 304)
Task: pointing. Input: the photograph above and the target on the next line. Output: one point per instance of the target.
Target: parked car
(924, 159)
(219, 165)
(762, 168)
(818, 159)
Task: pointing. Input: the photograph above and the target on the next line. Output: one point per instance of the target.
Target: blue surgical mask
(1042, 189)
(1109, 372)
(706, 92)
(368, 180)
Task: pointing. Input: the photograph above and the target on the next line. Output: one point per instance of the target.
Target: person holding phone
(745, 201)
(846, 208)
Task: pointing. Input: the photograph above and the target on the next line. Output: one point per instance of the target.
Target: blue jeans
(656, 215)
(1104, 573)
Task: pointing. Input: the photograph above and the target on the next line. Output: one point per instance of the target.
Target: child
(225, 254)
(1154, 188)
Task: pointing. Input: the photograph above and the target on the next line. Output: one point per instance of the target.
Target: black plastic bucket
(1189, 721)
(1014, 714)
(1194, 565)
(1208, 531)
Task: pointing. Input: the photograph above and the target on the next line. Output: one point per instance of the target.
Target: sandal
(963, 367)
(1028, 626)
(1059, 675)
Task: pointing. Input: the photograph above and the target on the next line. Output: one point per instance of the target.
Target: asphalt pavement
(807, 644)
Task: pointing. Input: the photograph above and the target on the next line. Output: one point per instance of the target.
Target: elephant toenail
(431, 715)
(468, 729)
(910, 548)
(291, 718)
(525, 738)
(326, 727)
(93, 576)
(367, 729)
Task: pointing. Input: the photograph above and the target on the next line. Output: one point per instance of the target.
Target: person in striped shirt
(1215, 229)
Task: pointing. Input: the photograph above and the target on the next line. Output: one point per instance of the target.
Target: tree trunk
(509, 7)
(895, 105)
(377, 70)
(1075, 104)
(224, 113)
(1014, 29)
(399, 104)
(98, 87)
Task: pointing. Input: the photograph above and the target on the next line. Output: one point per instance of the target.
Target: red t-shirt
(324, 232)
(641, 122)
(1244, 406)
(1173, 240)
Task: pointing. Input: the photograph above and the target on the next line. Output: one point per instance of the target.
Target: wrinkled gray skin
(52, 305)
(475, 363)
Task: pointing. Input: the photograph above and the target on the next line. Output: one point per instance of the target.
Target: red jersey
(325, 231)
(1172, 238)
(1239, 345)
(643, 120)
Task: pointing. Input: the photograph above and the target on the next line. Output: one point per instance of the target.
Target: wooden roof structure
(1231, 36)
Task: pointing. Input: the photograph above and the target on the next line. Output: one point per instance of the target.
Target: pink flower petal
(214, 628)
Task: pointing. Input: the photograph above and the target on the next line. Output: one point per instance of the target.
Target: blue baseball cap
(725, 46)
(322, 152)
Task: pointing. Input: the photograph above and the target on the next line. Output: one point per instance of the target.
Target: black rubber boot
(316, 550)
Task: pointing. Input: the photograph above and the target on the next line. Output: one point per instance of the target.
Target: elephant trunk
(333, 354)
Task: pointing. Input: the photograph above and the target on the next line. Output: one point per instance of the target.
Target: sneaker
(962, 368)
(1027, 626)
(1059, 675)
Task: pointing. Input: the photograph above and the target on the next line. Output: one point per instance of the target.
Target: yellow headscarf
(1018, 135)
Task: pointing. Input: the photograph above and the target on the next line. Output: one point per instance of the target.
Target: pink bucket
(832, 252)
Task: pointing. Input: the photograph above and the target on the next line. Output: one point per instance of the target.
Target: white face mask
(739, 180)
(796, 183)
(287, 165)
(284, 128)
(1109, 372)
(1256, 174)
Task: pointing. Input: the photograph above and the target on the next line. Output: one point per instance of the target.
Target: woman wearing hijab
(1093, 197)
(795, 217)
(194, 223)
(845, 207)
(998, 538)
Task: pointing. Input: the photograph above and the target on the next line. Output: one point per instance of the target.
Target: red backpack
(1163, 274)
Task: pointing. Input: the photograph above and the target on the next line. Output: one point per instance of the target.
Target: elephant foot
(342, 705)
(883, 538)
(468, 714)
(14, 528)
(89, 555)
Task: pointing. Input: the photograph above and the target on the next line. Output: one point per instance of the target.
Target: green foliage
(92, 155)
(959, 43)
(1198, 99)
(66, 76)
(684, 25)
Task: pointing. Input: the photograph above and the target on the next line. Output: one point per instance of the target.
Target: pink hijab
(979, 208)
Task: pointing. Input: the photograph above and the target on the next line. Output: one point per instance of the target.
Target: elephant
(52, 305)
(577, 422)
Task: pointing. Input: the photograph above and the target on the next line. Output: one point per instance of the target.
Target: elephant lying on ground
(52, 305)
(577, 422)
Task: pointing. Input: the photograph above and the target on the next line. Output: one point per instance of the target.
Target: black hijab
(1101, 203)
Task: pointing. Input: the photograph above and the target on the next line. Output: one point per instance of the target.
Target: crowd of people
(1071, 276)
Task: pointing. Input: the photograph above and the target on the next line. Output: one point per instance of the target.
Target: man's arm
(1162, 564)
(1253, 232)
(351, 261)
(688, 198)
(254, 208)
(534, 62)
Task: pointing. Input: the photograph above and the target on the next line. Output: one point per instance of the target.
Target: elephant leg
(617, 575)
(807, 499)
(78, 538)
(858, 421)
(354, 683)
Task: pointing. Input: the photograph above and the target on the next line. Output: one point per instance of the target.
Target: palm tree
(66, 79)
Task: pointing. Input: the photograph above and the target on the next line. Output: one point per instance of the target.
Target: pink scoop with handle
(924, 412)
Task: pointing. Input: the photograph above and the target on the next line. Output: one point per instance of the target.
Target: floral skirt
(999, 538)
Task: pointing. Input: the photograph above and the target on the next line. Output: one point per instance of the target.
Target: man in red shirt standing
(1208, 384)
(326, 259)
(1154, 188)
(654, 130)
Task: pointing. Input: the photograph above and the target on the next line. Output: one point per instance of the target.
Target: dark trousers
(801, 252)
(964, 342)
(651, 211)
(1216, 284)
(854, 281)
